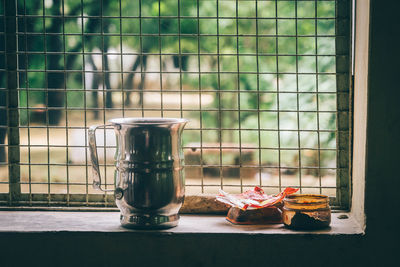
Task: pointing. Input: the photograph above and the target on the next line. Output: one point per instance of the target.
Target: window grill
(265, 84)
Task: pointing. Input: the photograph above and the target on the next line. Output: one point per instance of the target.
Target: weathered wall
(360, 97)
(383, 132)
(124, 249)
(378, 247)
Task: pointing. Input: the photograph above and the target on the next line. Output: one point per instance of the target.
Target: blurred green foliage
(262, 70)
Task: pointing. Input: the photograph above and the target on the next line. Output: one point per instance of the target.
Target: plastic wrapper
(255, 198)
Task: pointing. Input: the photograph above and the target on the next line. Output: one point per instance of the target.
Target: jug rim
(147, 121)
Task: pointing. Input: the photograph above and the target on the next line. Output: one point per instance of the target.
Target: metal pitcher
(150, 185)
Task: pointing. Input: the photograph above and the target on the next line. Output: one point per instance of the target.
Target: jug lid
(147, 121)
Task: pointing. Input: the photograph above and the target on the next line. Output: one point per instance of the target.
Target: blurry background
(257, 79)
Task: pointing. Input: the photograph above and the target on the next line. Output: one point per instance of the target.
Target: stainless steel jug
(149, 178)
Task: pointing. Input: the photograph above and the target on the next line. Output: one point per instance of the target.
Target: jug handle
(94, 158)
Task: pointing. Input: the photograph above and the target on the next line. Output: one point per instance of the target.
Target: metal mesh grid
(264, 83)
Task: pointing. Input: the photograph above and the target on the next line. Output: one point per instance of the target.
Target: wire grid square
(257, 79)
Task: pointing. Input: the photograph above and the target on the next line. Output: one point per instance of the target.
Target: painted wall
(383, 133)
(378, 247)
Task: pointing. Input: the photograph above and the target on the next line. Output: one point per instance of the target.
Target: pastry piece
(268, 215)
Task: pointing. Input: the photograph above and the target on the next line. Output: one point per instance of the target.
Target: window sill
(108, 222)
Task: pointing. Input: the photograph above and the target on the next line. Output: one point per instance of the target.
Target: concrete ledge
(108, 222)
(51, 238)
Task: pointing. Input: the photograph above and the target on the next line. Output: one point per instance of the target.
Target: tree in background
(151, 44)
(242, 88)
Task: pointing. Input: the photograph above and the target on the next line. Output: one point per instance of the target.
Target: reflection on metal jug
(150, 185)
